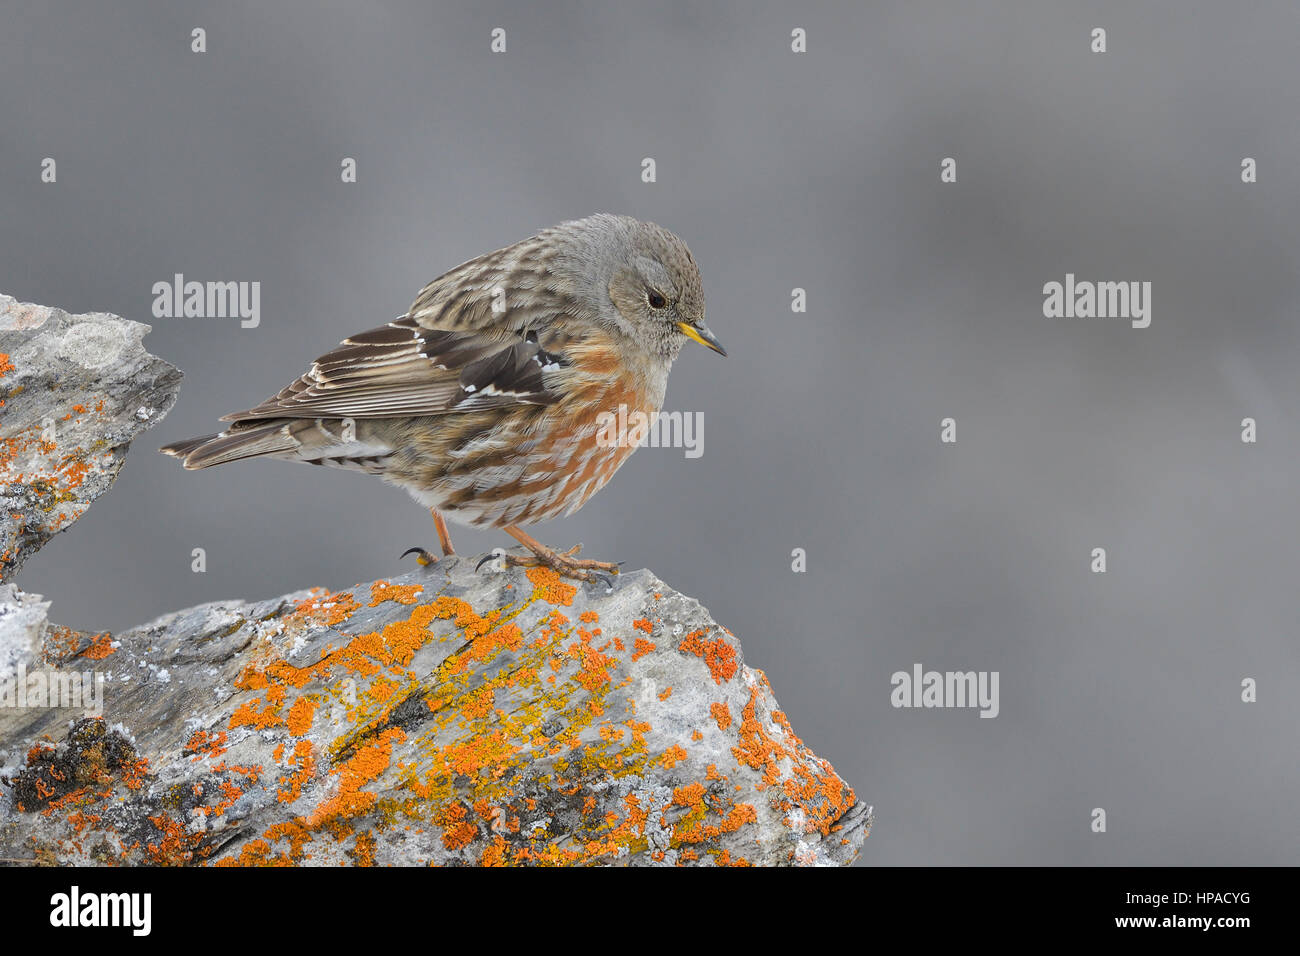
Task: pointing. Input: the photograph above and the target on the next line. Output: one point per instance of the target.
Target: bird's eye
(656, 300)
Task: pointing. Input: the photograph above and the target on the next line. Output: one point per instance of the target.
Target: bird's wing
(403, 368)
(451, 353)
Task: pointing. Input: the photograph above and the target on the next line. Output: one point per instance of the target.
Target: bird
(489, 400)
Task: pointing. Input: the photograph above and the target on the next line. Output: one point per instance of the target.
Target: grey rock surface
(74, 391)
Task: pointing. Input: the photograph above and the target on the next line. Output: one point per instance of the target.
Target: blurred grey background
(818, 170)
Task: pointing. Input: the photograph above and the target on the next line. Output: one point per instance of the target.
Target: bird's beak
(700, 333)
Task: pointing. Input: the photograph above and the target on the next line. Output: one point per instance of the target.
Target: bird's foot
(561, 562)
(422, 556)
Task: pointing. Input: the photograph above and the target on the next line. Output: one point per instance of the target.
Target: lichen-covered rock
(446, 717)
(74, 391)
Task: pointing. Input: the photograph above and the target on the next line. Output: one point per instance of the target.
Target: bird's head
(653, 284)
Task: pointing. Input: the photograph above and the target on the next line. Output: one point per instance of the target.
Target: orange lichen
(176, 847)
(665, 693)
(247, 715)
(72, 472)
(823, 797)
(363, 850)
(643, 624)
(758, 749)
(495, 853)
(382, 591)
(594, 671)
(673, 756)
(813, 785)
(365, 654)
(548, 586)
(724, 858)
(457, 828)
(203, 744)
(300, 716)
(509, 637)
(227, 791)
(59, 642)
(478, 703)
(101, 646)
(327, 610)
(717, 654)
(133, 774)
(722, 714)
(250, 678)
(739, 815)
(304, 763)
(689, 795)
(382, 689)
(472, 756)
(641, 648)
(258, 852)
(364, 766)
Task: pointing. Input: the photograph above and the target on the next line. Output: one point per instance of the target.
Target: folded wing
(404, 368)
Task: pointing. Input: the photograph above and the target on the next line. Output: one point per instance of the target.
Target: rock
(447, 716)
(74, 391)
(22, 627)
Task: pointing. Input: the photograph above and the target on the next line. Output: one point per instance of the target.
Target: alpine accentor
(487, 400)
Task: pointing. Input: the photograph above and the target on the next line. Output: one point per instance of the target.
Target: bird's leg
(444, 538)
(422, 556)
(562, 562)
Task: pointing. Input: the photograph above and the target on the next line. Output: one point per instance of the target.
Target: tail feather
(340, 443)
(208, 450)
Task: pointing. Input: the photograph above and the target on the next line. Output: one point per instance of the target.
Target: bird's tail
(356, 445)
(250, 441)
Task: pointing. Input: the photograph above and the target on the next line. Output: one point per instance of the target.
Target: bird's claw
(492, 555)
(422, 556)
